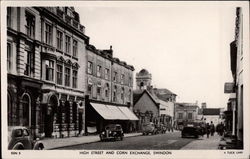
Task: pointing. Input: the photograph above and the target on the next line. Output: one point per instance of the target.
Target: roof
(143, 72)
(137, 94)
(211, 111)
(163, 91)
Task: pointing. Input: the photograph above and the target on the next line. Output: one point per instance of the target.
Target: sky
(184, 47)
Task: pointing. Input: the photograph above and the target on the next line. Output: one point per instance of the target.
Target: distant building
(185, 113)
(212, 115)
(163, 97)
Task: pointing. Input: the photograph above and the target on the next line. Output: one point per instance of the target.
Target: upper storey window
(75, 48)
(49, 66)
(9, 16)
(67, 44)
(90, 67)
(59, 36)
(48, 34)
(30, 24)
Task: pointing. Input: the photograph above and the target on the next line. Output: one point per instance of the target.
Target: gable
(145, 103)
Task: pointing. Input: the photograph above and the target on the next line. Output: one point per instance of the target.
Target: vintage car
(20, 138)
(149, 128)
(112, 132)
(191, 131)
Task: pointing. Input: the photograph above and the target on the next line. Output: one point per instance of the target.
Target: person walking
(208, 130)
(212, 128)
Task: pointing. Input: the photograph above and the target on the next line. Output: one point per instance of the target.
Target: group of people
(210, 129)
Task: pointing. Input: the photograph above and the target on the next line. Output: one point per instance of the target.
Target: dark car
(149, 128)
(191, 132)
(20, 138)
(112, 131)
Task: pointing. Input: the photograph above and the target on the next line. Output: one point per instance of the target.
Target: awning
(110, 112)
(128, 113)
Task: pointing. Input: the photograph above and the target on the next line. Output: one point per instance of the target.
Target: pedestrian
(222, 129)
(212, 128)
(208, 130)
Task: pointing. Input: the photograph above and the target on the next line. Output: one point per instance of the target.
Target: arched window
(107, 91)
(26, 110)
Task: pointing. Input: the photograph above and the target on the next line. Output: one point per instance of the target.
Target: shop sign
(229, 88)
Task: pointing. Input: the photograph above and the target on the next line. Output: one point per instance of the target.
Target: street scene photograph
(125, 76)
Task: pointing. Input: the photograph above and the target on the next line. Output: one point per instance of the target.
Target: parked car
(20, 138)
(190, 131)
(112, 131)
(149, 128)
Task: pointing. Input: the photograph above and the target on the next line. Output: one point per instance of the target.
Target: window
(9, 57)
(90, 67)
(59, 37)
(122, 95)
(99, 69)
(59, 74)
(74, 79)
(190, 115)
(114, 94)
(107, 90)
(48, 34)
(90, 90)
(67, 44)
(75, 48)
(129, 95)
(115, 77)
(180, 115)
(9, 16)
(49, 70)
(67, 76)
(29, 63)
(106, 73)
(122, 78)
(130, 81)
(30, 25)
(98, 91)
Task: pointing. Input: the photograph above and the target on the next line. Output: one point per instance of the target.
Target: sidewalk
(204, 143)
(50, 143)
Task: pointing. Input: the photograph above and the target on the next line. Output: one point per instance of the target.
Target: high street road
(168, 141)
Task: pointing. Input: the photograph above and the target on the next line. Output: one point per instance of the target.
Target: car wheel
(40, 148)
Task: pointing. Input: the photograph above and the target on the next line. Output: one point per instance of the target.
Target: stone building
(46, 67)
(109, 87)
(236, 87)
(160, 107)
(185, 113)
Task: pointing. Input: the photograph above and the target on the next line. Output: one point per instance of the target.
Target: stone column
(38, 119)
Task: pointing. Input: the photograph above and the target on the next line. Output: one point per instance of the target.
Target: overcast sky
(184, 47)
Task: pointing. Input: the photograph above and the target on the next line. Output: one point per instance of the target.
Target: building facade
(185, 113)
(236, 87)
(46, 67)
(109, 87)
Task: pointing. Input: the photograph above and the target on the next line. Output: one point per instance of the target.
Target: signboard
(229, 88)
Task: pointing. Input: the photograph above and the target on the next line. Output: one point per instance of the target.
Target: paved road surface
(168, 141)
